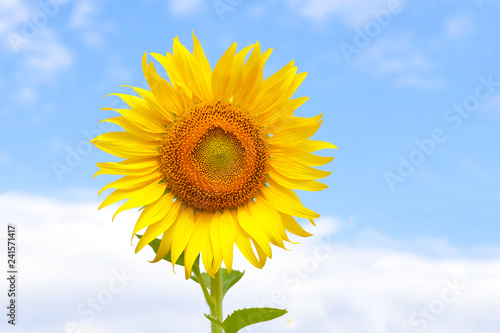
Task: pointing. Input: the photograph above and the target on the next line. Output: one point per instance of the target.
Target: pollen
(214, 157)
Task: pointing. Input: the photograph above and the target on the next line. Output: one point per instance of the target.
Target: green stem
(209, 299)
(216, 292)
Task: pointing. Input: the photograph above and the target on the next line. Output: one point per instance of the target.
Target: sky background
(409, 91)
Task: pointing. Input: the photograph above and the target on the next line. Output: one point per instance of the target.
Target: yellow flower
(213, 156)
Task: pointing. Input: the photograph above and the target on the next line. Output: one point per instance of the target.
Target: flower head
(214, 156)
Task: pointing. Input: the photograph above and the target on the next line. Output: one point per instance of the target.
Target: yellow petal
(252, 76)
(201, 70)
(184, 61)
(276, 117)
(292, 226)
(125, 145)
(144, 121)
(184, 94)
(133, 128)
(243, 242)
(227, 233)
(262, 255)
(296, 184)
(137, 167)
(157, 228)
(183, 229)
(126, 151)
(250, 225)
(155, 212)
(169, 66)
(257, 87)
(296, 170)
(142, 197)
(194, 247)
(286, 201)
(165, 246)
(117, 195)
(286, 154)
(207, 253)
(140, 111)
(215, 226)
(297, 81)
(294, 135)
(286, 94)
(291, 123)
(268, 219)
(307, 146)
(202, 67)
(273, 87)
(222, 73)
(130, 182)
(120, 138)
(157, 111)
(236, 75)
(162, 90)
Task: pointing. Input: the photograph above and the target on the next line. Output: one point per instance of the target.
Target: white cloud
(394, 55)
(117, 71)
(257, 12)
(42, 60)
(24, 96)
(459, 26)
(11, 14)
(82, 16)
(46, 57)
(417, 81)
(491, 108)
(186, 7)
(460, 31)
(69, 253)
(85, 20)
(7, 4)
(351, 12)
(34, 52)
(399, 59)
(5, 161)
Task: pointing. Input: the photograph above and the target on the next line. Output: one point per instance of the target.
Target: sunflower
(213, 157)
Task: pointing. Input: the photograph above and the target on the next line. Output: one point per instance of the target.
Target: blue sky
(376, 101)
(412, 172)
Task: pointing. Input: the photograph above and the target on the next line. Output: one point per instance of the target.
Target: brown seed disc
(214, 157)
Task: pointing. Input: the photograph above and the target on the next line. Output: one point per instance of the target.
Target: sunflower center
(219, 155)
(214, 157)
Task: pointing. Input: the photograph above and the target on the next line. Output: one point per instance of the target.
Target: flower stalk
(216, 295)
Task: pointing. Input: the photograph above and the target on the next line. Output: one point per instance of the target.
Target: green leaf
(228, 280)
(214, 320)
(245, 317)
(155, 244)
(205, 277)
